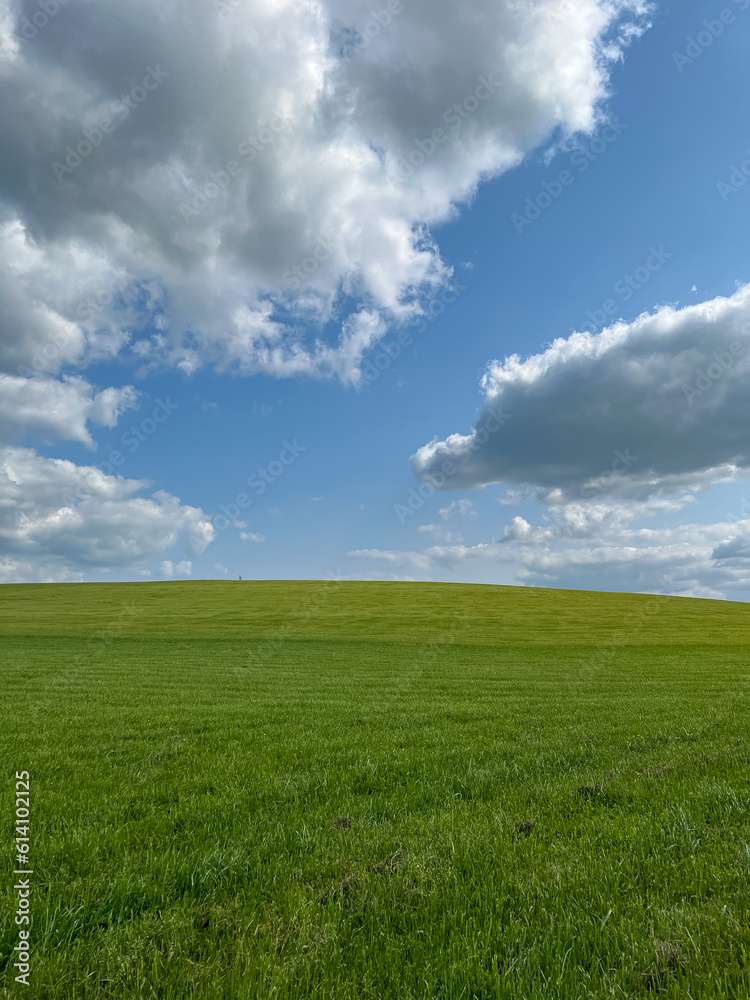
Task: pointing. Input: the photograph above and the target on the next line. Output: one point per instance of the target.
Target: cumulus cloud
(656, 406)
(62, 302)
(596, 548)
(588, 519)
(195, 189)
(692, 560)
(59, 519)
(59, 409)
(182, 568)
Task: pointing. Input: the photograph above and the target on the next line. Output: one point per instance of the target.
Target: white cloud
(656, 406)
(699, 560)
(401, 560)
(249, 536)
(62, 301)
(462, 507)
(63, 520)
(589, 519)
(59, 409)
(149, 227)
(221, 569)
(593, 547)
(183, 568)
(390, 577)
(440, 534)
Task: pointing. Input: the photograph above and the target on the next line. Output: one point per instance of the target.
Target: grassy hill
(334, 790)
(391, 612)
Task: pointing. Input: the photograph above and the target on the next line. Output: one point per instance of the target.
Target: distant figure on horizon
(240, 579)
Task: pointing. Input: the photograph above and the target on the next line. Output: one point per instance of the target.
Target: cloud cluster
(58, 519)
(59, 409)
(596, 547)
(227, 180)
(183, 568)
(658, 406)
(608, 430)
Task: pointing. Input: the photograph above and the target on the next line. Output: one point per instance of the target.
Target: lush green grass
(192, 747)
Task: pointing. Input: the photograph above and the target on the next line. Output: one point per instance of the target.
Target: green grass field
(364, 790)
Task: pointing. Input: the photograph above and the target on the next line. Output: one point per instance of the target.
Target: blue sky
(338, 447)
